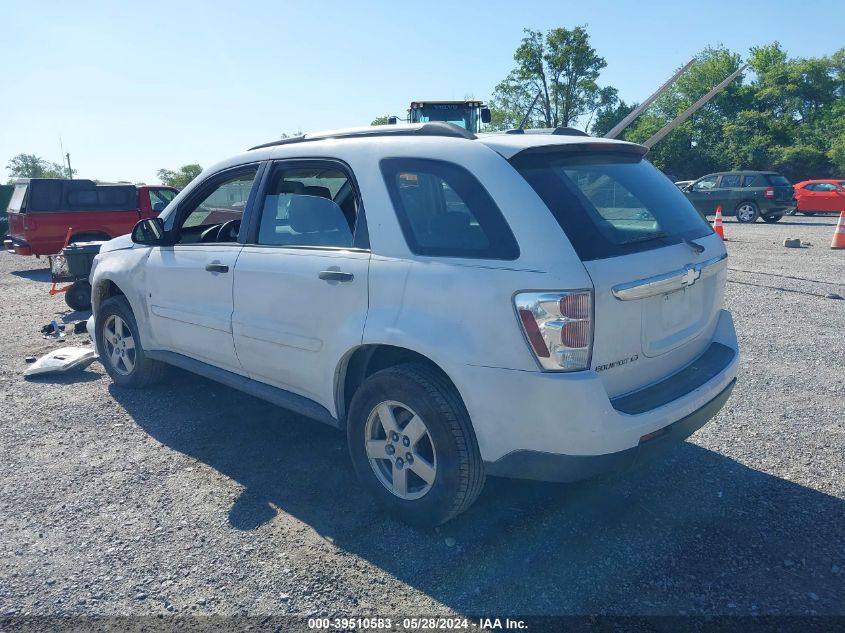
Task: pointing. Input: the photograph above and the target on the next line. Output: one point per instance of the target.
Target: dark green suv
(746, 194)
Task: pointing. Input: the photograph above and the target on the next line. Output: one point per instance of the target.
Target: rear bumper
(526, 464)
(533, 416)
(16, 246)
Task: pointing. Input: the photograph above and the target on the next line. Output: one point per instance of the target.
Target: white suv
(534, 305)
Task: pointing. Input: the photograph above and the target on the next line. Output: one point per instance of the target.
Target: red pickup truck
(42, 210)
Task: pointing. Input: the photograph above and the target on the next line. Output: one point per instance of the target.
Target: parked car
(820, 196)
(536, 305)
(41, 211)
(680, 184)
(748, 195)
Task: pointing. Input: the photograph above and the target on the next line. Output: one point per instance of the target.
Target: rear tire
(119, 345)
(411, 410)
(78, 296)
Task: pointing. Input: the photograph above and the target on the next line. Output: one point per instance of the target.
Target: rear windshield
(778, 181)
(610, 204)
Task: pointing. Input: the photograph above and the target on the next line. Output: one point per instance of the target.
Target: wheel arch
(363, 361)
(104, 289)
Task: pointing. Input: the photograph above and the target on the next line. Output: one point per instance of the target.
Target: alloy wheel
(119, 344)
(746, 213)
(400, 450)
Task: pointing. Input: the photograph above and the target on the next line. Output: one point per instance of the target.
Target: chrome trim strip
(667, 282)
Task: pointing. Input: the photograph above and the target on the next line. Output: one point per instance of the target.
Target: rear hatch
(784, 191)
(657, 268)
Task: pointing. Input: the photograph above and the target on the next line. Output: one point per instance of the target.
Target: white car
(535, 305)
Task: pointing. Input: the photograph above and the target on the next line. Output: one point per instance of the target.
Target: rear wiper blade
(698, 248)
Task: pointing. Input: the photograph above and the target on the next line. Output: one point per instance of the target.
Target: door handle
(335, 275)
(217, 268)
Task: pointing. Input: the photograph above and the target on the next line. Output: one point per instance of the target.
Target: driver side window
(216, 216)
(705, 184)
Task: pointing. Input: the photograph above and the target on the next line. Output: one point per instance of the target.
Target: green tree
(32, 166)
(560, 69)
(379, 120)
(180, 178)
(608, 116)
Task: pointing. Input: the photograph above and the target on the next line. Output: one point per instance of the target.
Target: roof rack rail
(558, 131)
(433, 128)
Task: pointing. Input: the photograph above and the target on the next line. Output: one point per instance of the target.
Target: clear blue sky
(133, 87)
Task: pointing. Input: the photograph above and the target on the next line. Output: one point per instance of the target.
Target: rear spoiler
(632, 149)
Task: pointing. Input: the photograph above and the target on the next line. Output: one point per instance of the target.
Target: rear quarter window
(610, 204)
(444, 211)
(778, 181)
(17, 203)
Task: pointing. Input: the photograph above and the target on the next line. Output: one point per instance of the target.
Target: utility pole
(620, 127)
(69, 170)
(683, 116)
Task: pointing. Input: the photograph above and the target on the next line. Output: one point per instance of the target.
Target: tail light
(769, 193)
(558, 327)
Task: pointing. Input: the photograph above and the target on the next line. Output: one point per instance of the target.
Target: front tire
(412, 445)
(121, 352)
(747, 213)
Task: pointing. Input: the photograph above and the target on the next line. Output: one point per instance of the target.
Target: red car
(820, 196)
(42, 210)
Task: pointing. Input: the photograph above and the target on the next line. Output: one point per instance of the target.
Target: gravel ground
(194, 498)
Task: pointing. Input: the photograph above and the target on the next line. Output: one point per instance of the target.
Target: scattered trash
(833, 295)
(30, 359)
(62, 360)
(53, 330)
(792, 242)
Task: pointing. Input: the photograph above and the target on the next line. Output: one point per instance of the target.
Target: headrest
(310, 214)
(316, 190)
(288, 186)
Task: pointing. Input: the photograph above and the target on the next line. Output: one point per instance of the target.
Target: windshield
(458, 114)
(610, 204)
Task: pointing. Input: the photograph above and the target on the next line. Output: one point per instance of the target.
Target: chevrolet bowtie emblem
(690, 276)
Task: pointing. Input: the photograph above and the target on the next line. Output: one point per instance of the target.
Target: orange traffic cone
(717, 223)
(839, 233)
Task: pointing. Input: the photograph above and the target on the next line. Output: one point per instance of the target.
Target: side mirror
(149, 232)
(485, 115)
(391, 120)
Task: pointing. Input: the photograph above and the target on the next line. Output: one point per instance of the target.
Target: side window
(220, 205)
(443, 210)
(705, 184)
(160, 198)
(751, 181)
(729, 181)
(309, 206)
